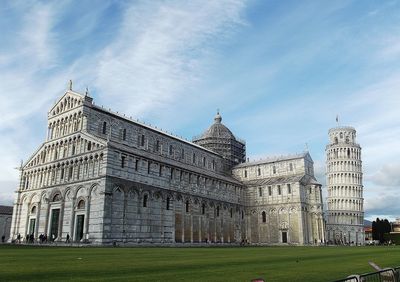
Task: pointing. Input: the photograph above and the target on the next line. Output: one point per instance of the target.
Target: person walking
(67, 241)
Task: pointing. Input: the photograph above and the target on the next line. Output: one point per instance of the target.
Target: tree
(379, 228)
(375, 229)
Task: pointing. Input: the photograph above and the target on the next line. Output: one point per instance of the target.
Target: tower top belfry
(342, 134)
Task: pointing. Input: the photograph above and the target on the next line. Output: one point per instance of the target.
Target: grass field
(26, 263)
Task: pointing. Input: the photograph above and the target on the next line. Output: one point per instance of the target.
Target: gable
(45, 153)
(68, 101)
(307, 157)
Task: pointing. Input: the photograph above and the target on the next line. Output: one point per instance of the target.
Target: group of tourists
(43, 239)
(30, 239)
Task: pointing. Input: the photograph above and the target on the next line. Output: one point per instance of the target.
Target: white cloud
(161, 52)
(6, 193)
(24, 91)
(37, 37)
(383, 204)
(388, 175)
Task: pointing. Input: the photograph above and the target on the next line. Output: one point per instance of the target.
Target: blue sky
(279, 71)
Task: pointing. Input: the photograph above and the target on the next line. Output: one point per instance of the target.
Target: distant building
(5, 221)
(396, 226)
(368, 233)
(345, 213)
(102, 177)
(367, 230)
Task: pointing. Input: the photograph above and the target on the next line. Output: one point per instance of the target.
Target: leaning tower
(345, 214)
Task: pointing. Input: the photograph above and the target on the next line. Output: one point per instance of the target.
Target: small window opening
(123, 161)
(145, 197)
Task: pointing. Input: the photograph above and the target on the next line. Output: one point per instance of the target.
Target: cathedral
(103, 178)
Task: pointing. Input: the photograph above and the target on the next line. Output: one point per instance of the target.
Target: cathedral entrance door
(32, 223)
(55, 218)
(80, 219)
(284, 237)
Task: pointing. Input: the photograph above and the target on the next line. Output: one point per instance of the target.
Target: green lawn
(191, 264)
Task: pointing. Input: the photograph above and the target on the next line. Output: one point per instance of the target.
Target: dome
(218, 130)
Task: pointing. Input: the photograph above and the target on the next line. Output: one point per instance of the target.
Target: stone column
(323, 228)
(37, 220)
(183, 223)
(60, 221)
(87, 216)
(72, 220)
(46, 225)
(15, 216)
(289, 225)
(300, 225)
(162, 235)
(200, 227)
(191, 227)
(317, 226)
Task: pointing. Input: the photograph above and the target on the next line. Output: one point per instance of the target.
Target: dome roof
(217, 130)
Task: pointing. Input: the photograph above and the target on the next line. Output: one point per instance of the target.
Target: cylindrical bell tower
(345, 214)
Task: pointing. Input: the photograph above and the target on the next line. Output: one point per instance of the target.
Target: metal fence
(397, 272)
(352, 278)
(384, 275)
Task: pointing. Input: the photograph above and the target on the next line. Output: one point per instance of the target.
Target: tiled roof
(6, 209)
(304, 179)
(272, 160)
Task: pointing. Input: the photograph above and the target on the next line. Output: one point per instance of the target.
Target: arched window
(203, 208)
(348, 153)
(33, 210)
(259, 171)
(264, 217)
(57, 198)
(218, 211)
(81, 205)
(245, 173)
(336, 140)
(145, 197)
(168, 203)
